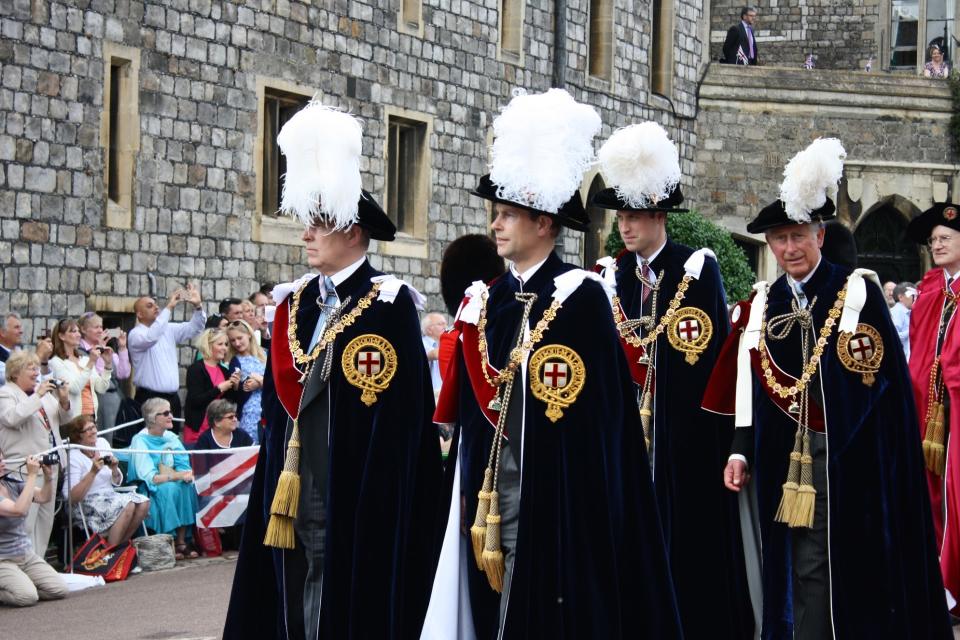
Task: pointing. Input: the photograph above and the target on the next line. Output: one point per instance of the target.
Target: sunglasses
(165, 413)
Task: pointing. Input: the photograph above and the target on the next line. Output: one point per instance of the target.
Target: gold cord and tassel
(934, 433)
(286, 499)
(790, 487)
(805, 505)
(646, 415)
(492, 557)
(478, 532)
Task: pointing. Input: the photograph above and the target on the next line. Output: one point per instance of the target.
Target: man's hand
(44, 349)
(175, 299)
(735, 475)
(192, 295)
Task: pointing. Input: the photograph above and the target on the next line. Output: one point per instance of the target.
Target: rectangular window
(120, 131)
(661, 50)
(406, 143)
(511, 27)
(904, 20)
(600, 47)
(278, 108)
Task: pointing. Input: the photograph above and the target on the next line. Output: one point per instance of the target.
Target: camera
(107, 460)
(57, 383)
(50, 459)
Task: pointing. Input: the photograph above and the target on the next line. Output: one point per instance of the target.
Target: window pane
(903, 33)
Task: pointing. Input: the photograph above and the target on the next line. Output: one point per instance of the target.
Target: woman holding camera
(79, 371)
(93, 476)
(207, 380)
(167, 476)
(92, 335)
(31, 413)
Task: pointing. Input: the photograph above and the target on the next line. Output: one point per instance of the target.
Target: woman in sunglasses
(167, 477)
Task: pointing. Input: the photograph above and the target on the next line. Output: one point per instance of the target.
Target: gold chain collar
(811, 367)
(629, 334)
(518, 353)
(331, 332)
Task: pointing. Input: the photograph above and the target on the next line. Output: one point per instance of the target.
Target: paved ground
(188, 602)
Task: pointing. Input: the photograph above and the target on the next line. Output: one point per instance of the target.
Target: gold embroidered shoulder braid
(811, 367)
(630, 335)
(516, 355)
(330, 332)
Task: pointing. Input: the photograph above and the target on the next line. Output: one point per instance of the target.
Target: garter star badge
(690, 331)
(369, 363)
(557, 377)
(861, 351)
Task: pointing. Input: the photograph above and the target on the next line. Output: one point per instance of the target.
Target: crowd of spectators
(71, 385)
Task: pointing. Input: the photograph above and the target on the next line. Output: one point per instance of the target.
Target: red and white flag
(223, 485)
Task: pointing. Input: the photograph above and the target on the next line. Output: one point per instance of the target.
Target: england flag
(223, 486)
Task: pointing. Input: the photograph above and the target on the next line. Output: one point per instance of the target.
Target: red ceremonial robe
(945, 491)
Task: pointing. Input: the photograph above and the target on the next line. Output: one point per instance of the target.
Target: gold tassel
(279, 532)
(286, 499)
(790, 487)
(646, 413)
(493, 564)
(478, 532)
(805, 507)
(933, 446)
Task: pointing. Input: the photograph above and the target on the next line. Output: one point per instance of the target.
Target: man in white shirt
(153, 345)
(432, 326)
(905, 294)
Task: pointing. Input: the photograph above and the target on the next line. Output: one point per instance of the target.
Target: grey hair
(219, 408)
(425, 321)
(151, 408)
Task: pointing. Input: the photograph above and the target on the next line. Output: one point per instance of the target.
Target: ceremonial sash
(286, 376)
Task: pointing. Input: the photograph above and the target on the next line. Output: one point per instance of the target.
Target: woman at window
(937, 67)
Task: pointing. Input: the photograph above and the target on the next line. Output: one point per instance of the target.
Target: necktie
(750, 40)
(330, 301)
(647, 274)
(801, 296)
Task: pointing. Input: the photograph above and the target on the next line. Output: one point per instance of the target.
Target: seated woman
(223, 432)
(167, 476)
(207, 380)
(93, 476)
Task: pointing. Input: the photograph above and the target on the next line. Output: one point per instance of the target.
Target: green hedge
(695, 231)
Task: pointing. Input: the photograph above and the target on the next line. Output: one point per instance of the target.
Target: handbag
(208, 539)
(156, 552)
(97, 558)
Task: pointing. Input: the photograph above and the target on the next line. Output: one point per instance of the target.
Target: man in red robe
(935, 372)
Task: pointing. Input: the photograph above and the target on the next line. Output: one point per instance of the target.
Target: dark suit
(737, 37)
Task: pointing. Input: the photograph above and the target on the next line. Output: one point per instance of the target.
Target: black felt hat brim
(774, 215)
(467, 259)
(942, 213)
(571, 215)
(372, 218)
(608, 199)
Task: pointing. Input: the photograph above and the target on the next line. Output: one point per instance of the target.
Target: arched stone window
(882, 244)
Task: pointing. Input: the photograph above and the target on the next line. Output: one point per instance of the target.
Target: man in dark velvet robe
(351, 553)
(864, 565)
(688, 446)
(584, 555)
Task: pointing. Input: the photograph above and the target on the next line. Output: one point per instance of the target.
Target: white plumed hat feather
(322, 184)
(543, 144)
(641, 164)
(811, 177)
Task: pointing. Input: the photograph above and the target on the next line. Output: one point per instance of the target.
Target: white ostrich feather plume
(322, 146)
(811, 177)
(641, 163)
(543, 145)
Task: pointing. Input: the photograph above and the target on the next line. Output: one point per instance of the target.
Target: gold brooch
(690, 332)
(369, 363)
(558, 377)
(861, 351)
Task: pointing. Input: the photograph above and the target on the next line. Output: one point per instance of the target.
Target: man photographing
(153, 345)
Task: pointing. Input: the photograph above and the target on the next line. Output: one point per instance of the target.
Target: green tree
(695, 231)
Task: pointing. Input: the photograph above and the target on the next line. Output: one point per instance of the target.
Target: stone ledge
(903, 95)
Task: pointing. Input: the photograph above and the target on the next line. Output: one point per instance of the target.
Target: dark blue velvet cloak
(885, 577)
(590, 560)
(383, 529)
(700, 517)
